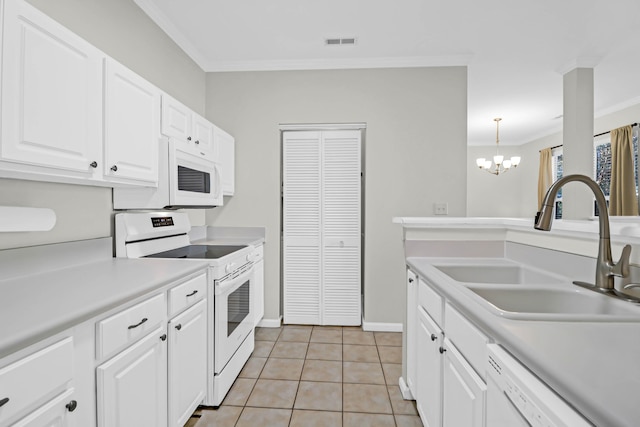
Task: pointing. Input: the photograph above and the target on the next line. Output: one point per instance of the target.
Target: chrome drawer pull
(192, 293)
(3, 401)
(137, 324)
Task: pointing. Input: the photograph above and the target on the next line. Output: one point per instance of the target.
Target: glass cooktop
(198, 252)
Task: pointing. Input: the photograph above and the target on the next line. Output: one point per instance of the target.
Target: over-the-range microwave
(188, 177)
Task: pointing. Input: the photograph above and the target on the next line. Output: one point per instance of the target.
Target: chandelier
(501, 165)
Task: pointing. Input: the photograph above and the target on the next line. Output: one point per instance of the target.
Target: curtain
(622, 195)
(545, 176)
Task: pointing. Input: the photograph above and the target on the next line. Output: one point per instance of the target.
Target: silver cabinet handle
(114, 168)
(93, 164)
(632, 285)
(192, 293)
(138, 324)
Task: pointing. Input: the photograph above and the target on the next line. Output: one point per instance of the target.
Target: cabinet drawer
(125, 327)
(33, 380)
(430, 301)
(186, 294)
(471, 342)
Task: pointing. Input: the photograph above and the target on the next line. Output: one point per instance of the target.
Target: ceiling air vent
(338, 42)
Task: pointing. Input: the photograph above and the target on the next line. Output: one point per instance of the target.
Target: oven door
(233, 315)
(194, 178)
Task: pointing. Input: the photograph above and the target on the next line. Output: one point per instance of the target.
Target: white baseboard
(381, 327)
(404, 389)
(270, 323)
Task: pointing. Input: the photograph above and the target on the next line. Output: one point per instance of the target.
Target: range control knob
(229, 267)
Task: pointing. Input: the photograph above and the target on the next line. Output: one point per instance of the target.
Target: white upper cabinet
(225, 154)
(179, 121)
(131, 136)
(51, 94)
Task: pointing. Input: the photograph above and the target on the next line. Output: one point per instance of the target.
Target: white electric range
(230, 333)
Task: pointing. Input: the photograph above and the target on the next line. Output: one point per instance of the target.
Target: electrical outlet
(441, 208)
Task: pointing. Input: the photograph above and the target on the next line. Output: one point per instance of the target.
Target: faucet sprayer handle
(621, 268)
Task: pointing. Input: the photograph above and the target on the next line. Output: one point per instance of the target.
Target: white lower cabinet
(448, 390)
(429, 370)
(57, 413)
(35, 388)
(132, 386)
(463, 390)
(187, 363)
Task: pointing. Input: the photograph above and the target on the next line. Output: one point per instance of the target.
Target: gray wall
(124, 32)
(416, 120)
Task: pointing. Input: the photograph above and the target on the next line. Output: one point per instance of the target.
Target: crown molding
(579, 62)
(165, 24)
(339, 63)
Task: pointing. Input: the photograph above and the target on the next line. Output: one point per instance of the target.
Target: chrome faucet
(606, 269)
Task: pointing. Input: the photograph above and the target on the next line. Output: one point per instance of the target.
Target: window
(556, 168)
(602, 165)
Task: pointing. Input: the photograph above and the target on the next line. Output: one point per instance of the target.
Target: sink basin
(499, 274)
(544, 303)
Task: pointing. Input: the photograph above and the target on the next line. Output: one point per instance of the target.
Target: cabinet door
(131, 134)
(56, 413)
(411, 328)
(225, 150)
(464, 391)
(176, 118)
(51, 94)
(429, 371)
(132, 386)
(258, 291)
(187, 363)
(202, 132)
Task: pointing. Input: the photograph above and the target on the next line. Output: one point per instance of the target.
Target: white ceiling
(516, 51)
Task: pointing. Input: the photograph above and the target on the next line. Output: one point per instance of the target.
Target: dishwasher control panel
(516, 396)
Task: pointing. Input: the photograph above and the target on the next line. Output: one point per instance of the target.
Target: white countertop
(43, 300)
(594, 366)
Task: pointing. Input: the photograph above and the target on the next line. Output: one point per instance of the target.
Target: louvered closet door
(341, 228)
(321, 227)
(301, 227)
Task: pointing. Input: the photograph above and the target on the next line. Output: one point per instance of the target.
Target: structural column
(577, 134)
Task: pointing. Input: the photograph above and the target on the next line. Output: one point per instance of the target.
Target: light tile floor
(317, 376)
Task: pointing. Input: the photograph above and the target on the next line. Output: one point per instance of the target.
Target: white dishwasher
(516, 397)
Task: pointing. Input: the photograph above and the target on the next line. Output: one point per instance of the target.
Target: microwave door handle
(218, 179)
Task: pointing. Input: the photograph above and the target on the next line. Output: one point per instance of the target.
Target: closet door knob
(188, 138)
(178, 326)
(114, 168)
(197, 141)
(434, 337)
(93, 164)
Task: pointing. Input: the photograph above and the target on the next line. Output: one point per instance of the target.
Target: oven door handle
(230, 285)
